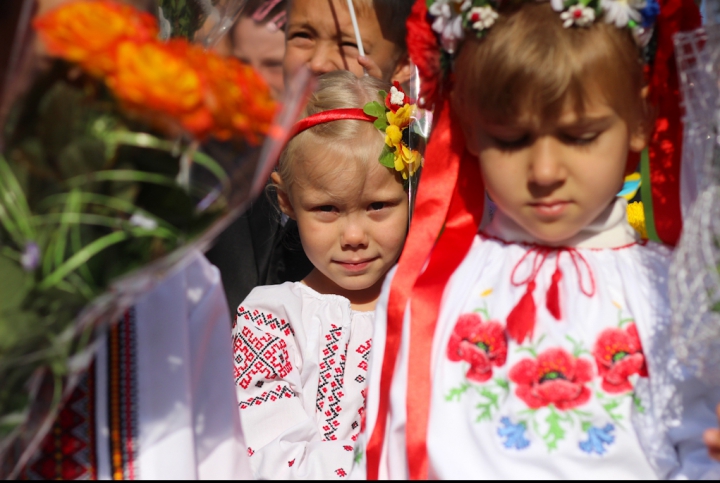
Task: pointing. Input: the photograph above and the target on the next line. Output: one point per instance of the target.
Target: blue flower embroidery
(598, 439)
(515, 434)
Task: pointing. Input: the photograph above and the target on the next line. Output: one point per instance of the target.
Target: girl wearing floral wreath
(302, 348)
(537, 347)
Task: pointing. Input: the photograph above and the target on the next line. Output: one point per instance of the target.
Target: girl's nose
(321, 61)
(546, 162)
(354, 235)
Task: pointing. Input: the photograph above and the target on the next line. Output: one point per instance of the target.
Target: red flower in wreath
(619, 355)
(482, 344)
(555, 377)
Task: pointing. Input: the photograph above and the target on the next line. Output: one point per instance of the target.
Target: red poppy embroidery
(618, 354)
(482, 344)
(555, 377)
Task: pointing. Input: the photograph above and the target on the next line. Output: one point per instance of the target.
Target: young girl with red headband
(302, 348)
(537, 347)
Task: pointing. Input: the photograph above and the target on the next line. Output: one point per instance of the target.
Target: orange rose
(238, 98)
(88, 31)
(155, 76)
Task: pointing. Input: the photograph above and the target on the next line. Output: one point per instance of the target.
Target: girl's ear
(403, 70)
(282, 195)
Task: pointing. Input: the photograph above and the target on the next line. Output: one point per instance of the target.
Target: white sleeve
(697, 413)
(284, 440)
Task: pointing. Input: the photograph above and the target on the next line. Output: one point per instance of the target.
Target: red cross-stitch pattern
(364, 351)
(259, 357)
(265, 320)
(341, 472)
(272, 395)
(330, 384)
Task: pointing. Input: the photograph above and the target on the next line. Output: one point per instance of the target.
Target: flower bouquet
(106, 183)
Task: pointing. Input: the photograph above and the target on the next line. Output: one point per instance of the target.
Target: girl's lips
(550, 209)
(355, 266)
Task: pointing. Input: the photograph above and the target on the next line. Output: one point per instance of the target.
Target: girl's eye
(580, 140)
(326, 209)
(378, 205)
(299, 36)
(512, 143)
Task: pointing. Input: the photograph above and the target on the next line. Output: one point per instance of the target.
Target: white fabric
(301, 375)
(188, 426)
(600, 426)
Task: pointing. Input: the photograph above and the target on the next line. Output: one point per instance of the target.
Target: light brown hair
(341, 140)
(529, 63)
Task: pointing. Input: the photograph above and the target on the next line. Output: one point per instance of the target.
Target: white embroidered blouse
(300, 375)
(573, 400)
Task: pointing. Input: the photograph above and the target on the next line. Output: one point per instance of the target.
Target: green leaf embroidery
(555, 432)
(487, 408)
(374, 109)
(638, 404)
(578, 348)
(503, 384)
(456, 392)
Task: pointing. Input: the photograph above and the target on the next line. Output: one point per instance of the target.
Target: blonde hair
(530, 63)
(336, 139)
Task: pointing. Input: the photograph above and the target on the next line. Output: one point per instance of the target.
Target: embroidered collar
(609, 230)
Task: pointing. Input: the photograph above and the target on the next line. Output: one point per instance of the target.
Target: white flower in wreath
(397, 97)
(482, 18)
(557, 5)
(578, 15)
(448, 21)
(620, 12)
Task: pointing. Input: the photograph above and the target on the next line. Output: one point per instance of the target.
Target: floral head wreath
(450, 199)
(393, 118)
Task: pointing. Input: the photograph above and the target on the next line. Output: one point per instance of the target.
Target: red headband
(347, 114)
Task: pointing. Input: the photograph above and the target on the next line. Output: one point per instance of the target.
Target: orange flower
(238, 98)
(154, 76)
(88, 31)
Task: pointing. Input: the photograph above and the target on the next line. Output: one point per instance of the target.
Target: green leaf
(381, 123)
(639, 407)
(456, 392)
(383, 94)
(555, 432)
(374, 109)
(387, 158)
(586, 425)
(502, 383)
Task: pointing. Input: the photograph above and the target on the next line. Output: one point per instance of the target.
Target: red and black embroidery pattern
(364, 351)
(273, 395)
(259, 358)
(330, 385)
(263, 320)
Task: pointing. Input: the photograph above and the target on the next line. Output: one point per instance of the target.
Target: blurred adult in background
(260, 247)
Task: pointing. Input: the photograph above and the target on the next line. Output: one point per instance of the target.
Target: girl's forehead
(342, 179)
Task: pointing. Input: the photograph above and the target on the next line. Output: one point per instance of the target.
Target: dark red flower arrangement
(618, 354)
(482, 344)
(555, 377)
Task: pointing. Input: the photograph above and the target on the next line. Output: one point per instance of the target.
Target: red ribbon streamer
(665, 148)
(439, 178)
